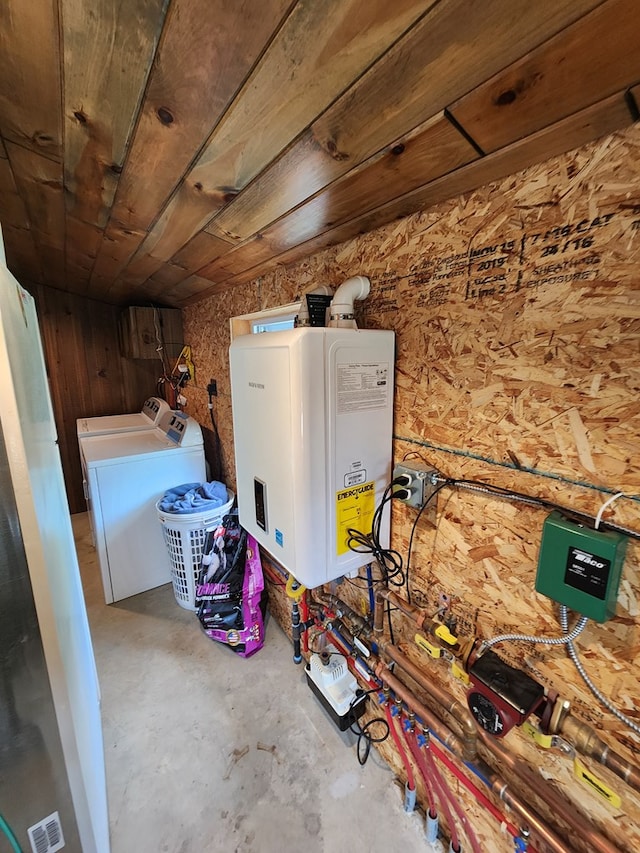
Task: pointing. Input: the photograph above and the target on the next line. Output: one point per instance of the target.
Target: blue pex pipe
(345, 643)
(372, 597)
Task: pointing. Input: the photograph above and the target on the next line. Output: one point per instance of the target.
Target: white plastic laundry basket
(184, 535)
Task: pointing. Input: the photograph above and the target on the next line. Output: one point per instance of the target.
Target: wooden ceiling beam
(203, 138)
(30, 86)
(82, 244)
(139, 270)
(39, 182)
(168, 275)
(609, 115)
(588, 61)
(117, 247)
(200, 250)
(432, 150)
(108, 51)
(12, 208)
(319, 50)
(196, 73)
(189, 287)
(199, 68)
(452, 49)
(22, 255)
(162, 280)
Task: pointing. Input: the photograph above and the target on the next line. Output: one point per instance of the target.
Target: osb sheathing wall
(517, 315)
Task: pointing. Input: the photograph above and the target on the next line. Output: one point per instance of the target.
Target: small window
(257, 327)
(271, 320)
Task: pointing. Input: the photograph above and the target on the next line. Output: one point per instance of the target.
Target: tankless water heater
(312, 422)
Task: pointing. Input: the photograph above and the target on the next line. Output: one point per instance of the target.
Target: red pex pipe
(442, 797)
(477, 793)
(411, 782)
(351, 662)
(304, 613)
(273, 577)
(446, 793)
(413, 746)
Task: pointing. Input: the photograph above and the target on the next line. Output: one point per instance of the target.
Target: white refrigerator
(50, 728)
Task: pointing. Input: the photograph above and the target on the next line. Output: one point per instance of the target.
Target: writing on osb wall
(557, 255)
(567, 252)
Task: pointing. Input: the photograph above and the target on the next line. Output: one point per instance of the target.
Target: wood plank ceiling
(164, 150)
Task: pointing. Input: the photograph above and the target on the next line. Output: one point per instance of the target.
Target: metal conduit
(463, 746)
(581, 735)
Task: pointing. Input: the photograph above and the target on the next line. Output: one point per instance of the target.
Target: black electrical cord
(364, 581)
(413, 530)
(389, 560)
(388, 609)
(324, 653)
(363, 732)
(218, 472)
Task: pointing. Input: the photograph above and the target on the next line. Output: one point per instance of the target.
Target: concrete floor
(208, 752)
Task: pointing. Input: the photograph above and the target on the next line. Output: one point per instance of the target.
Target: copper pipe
(458, 711)
(533, 820)
(580, 735)
(411, 611)
(442, 731)
(559, 806)
(422, 620)
(335, 603)
(498, 785)
(378, 613)
(587, 742)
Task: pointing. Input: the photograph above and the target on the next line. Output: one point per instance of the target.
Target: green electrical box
(580, 567)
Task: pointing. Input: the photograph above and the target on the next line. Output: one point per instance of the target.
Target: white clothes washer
(126, 474)
(149, 416)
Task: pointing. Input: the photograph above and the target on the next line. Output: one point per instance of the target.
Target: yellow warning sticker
(597, 785)
(545, 741)
(458, 672)
(354, 508)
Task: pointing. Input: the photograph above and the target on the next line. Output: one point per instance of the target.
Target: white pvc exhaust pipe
(342, 316)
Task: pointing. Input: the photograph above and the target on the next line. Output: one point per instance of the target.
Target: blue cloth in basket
(194, 497)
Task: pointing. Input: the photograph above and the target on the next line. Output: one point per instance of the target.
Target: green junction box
(580, 567)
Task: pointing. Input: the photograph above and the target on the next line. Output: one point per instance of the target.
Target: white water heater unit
(312, 423)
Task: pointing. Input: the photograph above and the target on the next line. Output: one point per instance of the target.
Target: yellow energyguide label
(354, 508)
(596, 785)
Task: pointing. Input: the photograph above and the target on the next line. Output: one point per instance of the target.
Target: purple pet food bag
(230, 593)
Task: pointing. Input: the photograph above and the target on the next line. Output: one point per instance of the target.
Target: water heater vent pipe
(342, 316)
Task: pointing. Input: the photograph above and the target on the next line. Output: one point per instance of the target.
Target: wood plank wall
(87, 376)
(517, 315)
